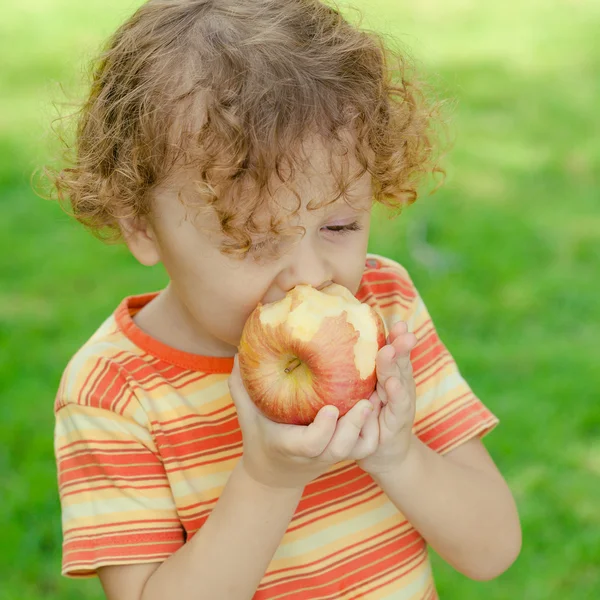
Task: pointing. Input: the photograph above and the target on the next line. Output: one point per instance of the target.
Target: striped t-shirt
(147, 435)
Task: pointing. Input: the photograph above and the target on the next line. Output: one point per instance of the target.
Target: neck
(167, 320)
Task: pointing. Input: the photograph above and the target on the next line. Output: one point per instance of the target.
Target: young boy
(243, 145)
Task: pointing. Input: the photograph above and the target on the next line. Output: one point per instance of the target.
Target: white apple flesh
(310, 349)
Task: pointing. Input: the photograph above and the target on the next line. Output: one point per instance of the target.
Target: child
(243, 145)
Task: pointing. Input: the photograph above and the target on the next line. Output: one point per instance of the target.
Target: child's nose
(306, 265)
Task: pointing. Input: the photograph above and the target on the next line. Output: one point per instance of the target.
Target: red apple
(310, 349)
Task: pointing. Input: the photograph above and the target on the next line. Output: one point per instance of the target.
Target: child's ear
(140, 239)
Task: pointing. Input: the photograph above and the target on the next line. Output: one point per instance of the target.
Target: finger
(348, 431)
(310, 441)
(403, 344)
(394, 391)
(375, 400)
(385, 367)
(400, 409)
(239, 395)
(368, 440)
(388, 419)
(399, 328)
(385, 364)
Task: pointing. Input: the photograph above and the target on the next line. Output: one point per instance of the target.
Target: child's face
(212, 294)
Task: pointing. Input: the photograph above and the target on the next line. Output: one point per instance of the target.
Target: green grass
(506, 255)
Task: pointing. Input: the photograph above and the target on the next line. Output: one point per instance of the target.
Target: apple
(312, 348)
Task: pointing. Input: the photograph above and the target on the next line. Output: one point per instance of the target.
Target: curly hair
(264, 73)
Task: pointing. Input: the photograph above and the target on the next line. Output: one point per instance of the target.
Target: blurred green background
(506, 255)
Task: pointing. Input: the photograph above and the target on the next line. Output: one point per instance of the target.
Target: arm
(226, 558)
(230, 553)
(460, 504)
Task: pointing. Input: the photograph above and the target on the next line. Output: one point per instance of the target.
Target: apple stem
(295, 363)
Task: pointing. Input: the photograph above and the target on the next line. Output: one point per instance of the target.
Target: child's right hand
(290, 456)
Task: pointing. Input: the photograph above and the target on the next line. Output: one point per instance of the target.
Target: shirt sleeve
(447, 412)
(117, 506)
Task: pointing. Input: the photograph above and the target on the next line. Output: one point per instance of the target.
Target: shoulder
(382, 274)
(387, 286)
(99, 373)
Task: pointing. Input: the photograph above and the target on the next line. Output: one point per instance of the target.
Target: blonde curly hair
(266, 72)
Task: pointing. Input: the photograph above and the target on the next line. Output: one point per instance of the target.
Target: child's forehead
(317, 172)
(319, 190)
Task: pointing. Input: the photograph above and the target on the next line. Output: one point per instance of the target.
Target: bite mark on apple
(304, 315)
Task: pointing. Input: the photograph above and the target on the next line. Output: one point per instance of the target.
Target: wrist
(401, 470)
(268, 485)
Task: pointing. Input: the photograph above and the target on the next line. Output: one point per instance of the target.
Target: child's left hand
(393, 401)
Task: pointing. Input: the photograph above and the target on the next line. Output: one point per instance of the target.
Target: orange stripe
(442, 363)
(228, 457)
(378, 492)
(444, 412)
(387, 305)
(457, 423)
(205, 415)
(400, 573)
(96, 480)
(376, 541)
(121, 486)
(69, 532)
(201, 434)
(427, 359)
(326, 581)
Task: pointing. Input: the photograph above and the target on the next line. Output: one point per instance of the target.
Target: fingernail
(367, 410)
(331, 412)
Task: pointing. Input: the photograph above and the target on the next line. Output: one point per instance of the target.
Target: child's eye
(356, 226)
(262, 246)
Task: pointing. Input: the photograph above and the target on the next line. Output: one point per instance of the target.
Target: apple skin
(311, 349)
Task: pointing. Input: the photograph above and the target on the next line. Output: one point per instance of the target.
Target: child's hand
(393, 401)
(279, 455)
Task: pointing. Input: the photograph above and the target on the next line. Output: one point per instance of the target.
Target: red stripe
(400, 573)
(85, 443)
(121, 486)
(386, 281)
(385, 305)
(93, 556)
(426, 354)
(205, 415)
(86, 392)
(345, 565)
(451, 427)
(375, 494)
(373, 541)
(348, 573)
(442, 363)
(85, 469)
(199, 434)
(109, 459)
(432, 418)
(100, 480)
(71, 532)
(175, 469)
(125, 538)
(130, 532)
(176, 384)
(448, 437)
(334, 487)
